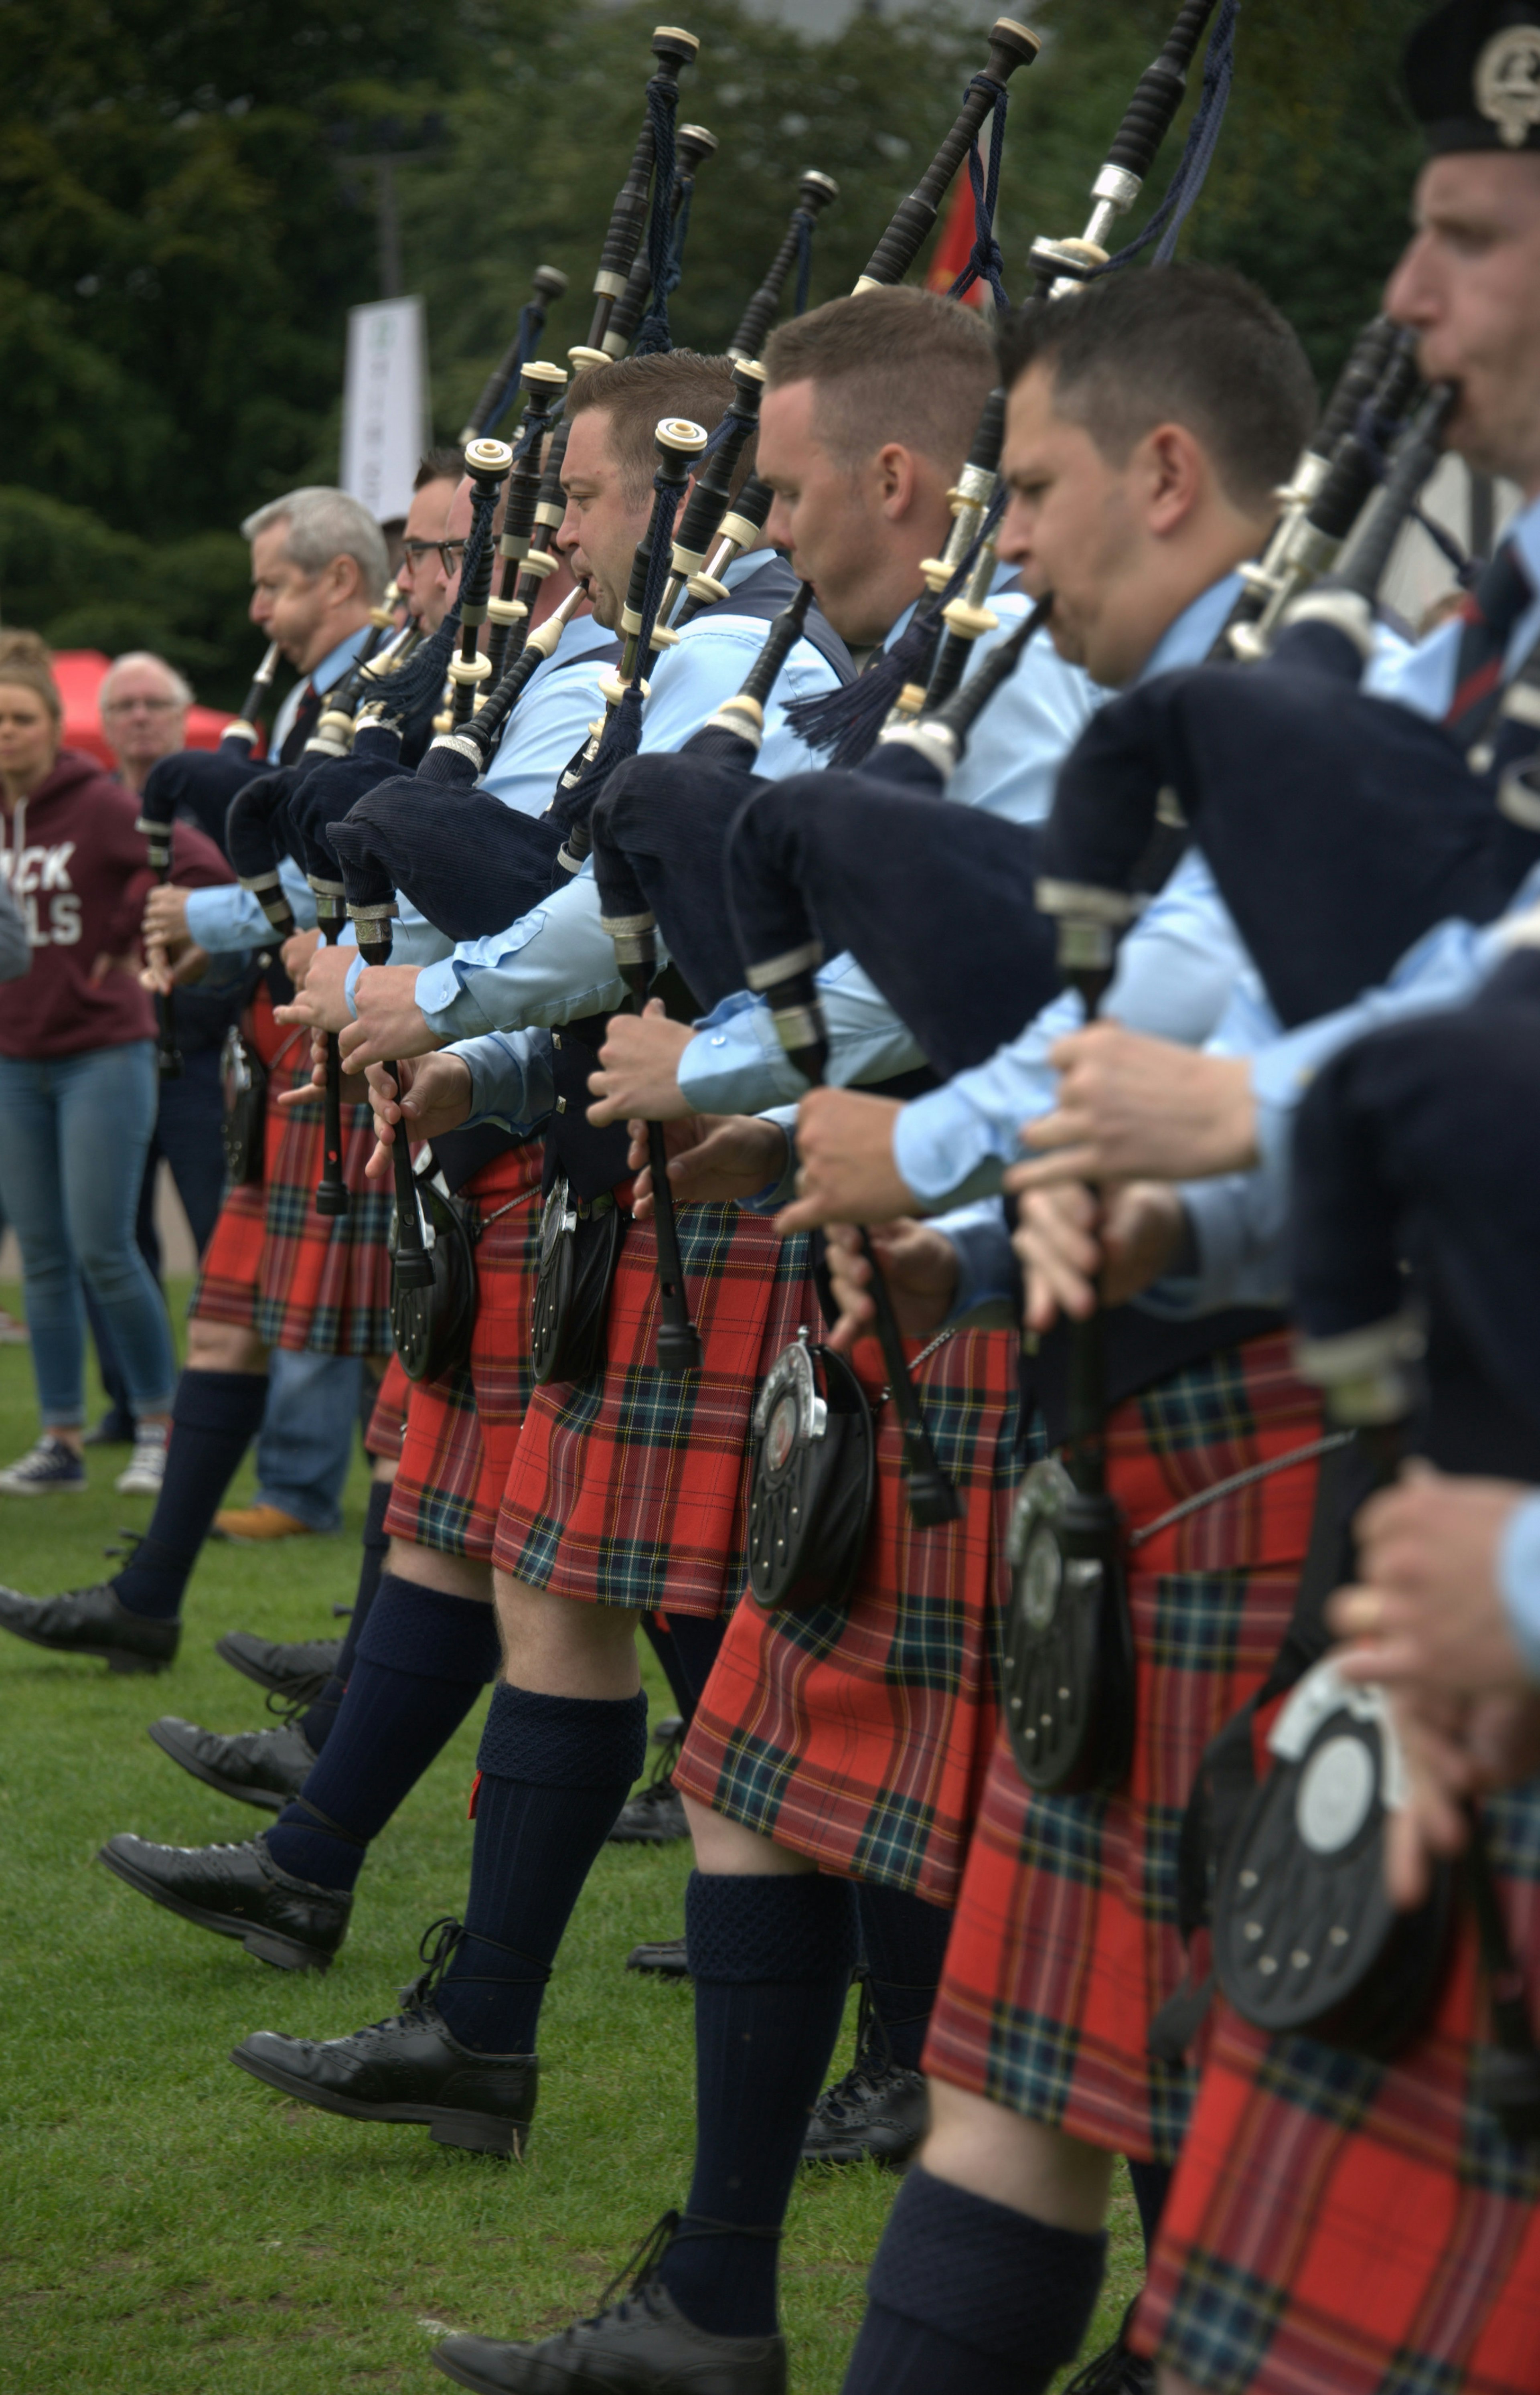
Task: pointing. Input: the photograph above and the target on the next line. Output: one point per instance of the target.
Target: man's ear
(898, 476)
(1171, 473)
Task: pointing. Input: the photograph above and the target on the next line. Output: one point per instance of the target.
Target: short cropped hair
(637, 393)
(1192, 345)
(324, 524)
(439, 464)
(897, 365)
(181, 690)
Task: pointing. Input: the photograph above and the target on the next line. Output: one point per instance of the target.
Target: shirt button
(719, 1040)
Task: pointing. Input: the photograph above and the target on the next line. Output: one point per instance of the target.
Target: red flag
(955, 247)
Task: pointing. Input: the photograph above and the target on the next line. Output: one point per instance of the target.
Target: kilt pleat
(1066, 1942)
(1359, 2226)
(628, 1488)
(860, 1734)
(460, 1430)
(297, 1279)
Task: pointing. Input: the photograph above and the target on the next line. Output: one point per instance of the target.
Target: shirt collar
(1188, 641)
(1524, 532)
(335, 663)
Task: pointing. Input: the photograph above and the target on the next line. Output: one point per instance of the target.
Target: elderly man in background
(144, 705)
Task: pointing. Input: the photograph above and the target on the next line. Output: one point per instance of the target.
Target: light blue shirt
(1175, 973)
(1423, 677)
(737, 1064)
(1519, 1580)
(557, 962)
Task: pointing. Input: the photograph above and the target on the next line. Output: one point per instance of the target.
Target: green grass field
(169, 2228)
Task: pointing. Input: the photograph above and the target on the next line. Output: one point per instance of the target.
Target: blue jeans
(74, 1131)
(306, 1446)
(187, 1135)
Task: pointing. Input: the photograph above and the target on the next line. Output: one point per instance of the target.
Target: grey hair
(182, 690)
(324, 524)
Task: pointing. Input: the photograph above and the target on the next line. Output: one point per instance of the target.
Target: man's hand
(160, 971)
(1427, 1608)
(296, 956)
(164, 923)
(712, 1159)
(1135, 1109)
(434, 1097)
(353, 1089)
(638, 1077)
(1456, 1749)
(845, 1147)
(319, 1002)
(391, 1022)
(1074, 1247)
(919, 1265)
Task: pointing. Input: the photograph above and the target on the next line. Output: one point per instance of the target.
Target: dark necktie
(307, 715)
(1487, 620)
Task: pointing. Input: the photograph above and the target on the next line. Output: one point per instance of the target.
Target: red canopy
(80, 674)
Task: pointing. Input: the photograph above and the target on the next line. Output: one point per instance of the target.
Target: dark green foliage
(178, 247)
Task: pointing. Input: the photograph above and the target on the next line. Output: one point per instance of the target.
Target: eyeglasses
(149, 706)
(416, 553)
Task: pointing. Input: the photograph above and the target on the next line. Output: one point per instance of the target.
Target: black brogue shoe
(412, 2067)
(297, 1669)
(643, 2345)
(662, 1958)
(91, 1622)
(257, 1767)
(655, 1815)
(238, 1892)
(878, 2113)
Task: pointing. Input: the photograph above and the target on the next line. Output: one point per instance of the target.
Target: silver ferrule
(1366, 1373)
(797, 1026)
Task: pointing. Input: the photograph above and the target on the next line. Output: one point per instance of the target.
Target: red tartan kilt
(1361, 2226)
(1066, 1944)
(270, 1039)
(387, 1422)
(860, 1735)
(461, 1431)
(628, 1488)
(311, 1282)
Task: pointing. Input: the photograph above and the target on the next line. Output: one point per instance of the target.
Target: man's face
(291, 606)
(823, 514)
(142, 716)
(1469, 283)
(1070, 526)
(600, 531)
(420, 577)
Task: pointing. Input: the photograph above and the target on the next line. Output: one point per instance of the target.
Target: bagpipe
(1418, 1311)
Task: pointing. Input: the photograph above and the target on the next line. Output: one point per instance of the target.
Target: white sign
(385, 404)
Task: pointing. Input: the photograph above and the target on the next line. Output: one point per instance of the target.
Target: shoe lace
(440, 1943)
(872, 2066)
(287, 1704)
(661, 1784)
(641, 2269)
(1116, 2371)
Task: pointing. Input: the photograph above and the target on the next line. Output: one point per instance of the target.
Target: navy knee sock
(968, 2297)
(772, 1958)
(1151, 2182)
(554, 1774)
(906, 1944)
(687, 1650)
(215, 1416)
(422, 1660)
(319, 1715)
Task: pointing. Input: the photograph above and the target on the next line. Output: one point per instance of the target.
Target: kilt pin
(388, 1419)
(628, 1488)
(1357, 2225)
(1066, 1944)
(274, 1265)
(860, 1734)
(459, 1432)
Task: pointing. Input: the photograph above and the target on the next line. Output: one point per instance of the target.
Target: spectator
(15, 957)
(77, 1074)
(143, 704)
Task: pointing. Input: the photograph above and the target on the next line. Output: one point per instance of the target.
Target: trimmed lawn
(171, 2228)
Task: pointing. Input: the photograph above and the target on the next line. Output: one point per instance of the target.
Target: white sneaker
(146, 1468)
(46, 1469)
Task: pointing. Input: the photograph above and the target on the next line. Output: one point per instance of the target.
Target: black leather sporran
(580, 1248)
(1069, 1677)
(811, 1480)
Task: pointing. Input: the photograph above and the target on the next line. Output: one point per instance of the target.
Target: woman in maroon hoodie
(77, 1070)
